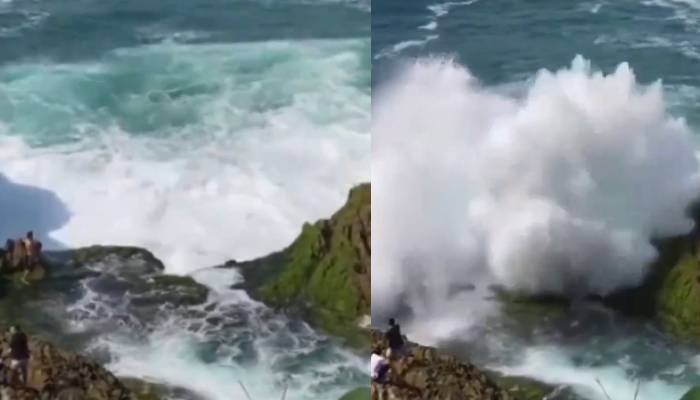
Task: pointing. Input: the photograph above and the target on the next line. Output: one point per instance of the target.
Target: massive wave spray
(556, 190)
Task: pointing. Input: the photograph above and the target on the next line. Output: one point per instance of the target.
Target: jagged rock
(423, 373)
(58, 374)
(93, 254)
(118, 270)
(325, 272)
(426, 373)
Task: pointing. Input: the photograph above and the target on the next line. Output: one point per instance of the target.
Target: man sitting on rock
(395, 339)
(378, 366)
(19, 353)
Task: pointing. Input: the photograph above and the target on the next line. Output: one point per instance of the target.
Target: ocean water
(537, 146)
(204, 132)
(506, 43)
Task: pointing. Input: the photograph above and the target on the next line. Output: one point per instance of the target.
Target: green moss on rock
(325, 272)
(357, 394)
(671, 291)
(692, 394)
(522, 388)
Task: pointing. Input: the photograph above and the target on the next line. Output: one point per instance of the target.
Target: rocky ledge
(325, 273)
(128, 275)
(424, 373)
(58, 374)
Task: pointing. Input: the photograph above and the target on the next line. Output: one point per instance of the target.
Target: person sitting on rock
(378, 366)
(395, 339)
(19, 255)
(19, 353)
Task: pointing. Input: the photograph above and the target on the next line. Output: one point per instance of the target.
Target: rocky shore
(323, 276)
(55, 370)
(426, 373)
(58, 374)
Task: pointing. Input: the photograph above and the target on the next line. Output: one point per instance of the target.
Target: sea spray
(557, 191)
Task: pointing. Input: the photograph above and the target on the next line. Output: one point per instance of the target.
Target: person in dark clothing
(395, 339)
(19, 352)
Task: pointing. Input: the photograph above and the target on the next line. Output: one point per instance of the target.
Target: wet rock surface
(116, 286)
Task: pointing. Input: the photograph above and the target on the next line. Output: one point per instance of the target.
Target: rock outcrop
(58, 374)
(129, 276)
(325, 272)
(424, 373)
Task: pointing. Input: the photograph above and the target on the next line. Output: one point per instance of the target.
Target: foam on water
(267, 360)
(556, 367)
(199, 153)
(437, 10)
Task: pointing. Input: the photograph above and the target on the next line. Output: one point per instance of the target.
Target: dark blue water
(505, 41)
(69, 30)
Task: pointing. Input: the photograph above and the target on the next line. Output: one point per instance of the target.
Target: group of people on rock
(380, 363)
(22, 254)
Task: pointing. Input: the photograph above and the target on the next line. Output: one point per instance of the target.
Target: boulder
(325, 273)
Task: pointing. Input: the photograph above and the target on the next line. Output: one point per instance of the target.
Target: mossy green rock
(671, 292)
(325, 272)
(692, 394)
(357, 394)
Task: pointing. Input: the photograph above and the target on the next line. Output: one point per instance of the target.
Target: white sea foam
(556, 367)
(406, 44)
(199, 156)
(172, 353)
